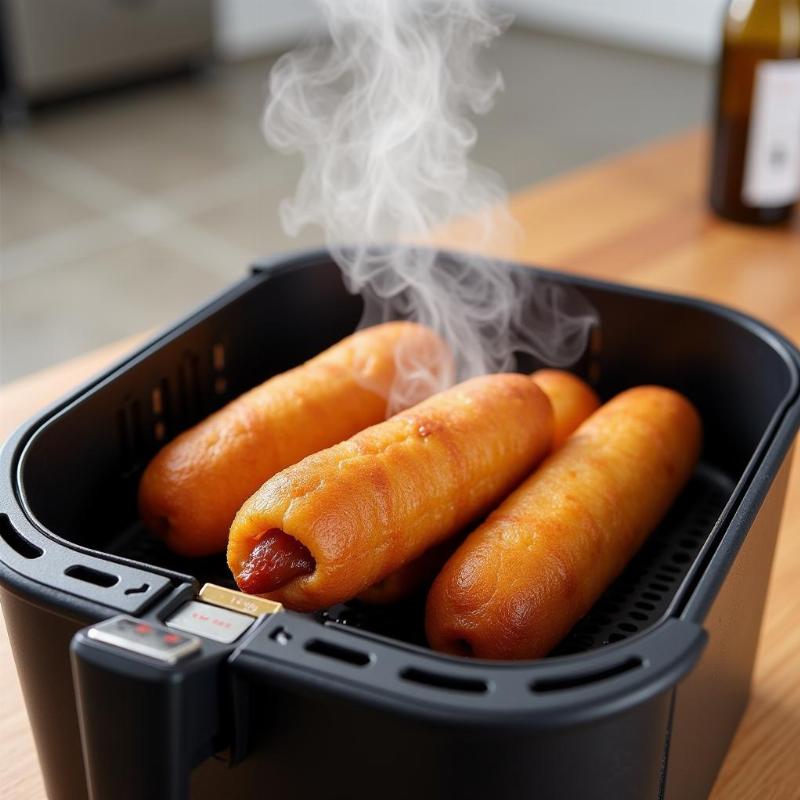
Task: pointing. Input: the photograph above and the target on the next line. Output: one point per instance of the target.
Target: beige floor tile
(64, 245)
(155, 142)
(272, 174)
(225, 258)
(29, 207)
(57, 313)
(252, 220)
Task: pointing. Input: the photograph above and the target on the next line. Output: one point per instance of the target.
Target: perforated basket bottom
(636, 600)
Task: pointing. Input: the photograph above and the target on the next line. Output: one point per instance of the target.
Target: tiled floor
(121, 213)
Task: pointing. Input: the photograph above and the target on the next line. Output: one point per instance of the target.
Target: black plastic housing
(640, 701)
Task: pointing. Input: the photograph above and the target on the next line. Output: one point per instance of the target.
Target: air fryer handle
(145, 722)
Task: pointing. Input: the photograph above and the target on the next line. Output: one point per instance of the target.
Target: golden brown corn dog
(522, 579)
(573, 401)
(358, 511)
(191, 490)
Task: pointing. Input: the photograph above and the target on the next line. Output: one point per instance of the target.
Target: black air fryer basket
(640, 701)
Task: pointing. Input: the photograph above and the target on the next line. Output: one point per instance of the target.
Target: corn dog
(522, 579)
(342, 519)
(191, 490)
(573, 401)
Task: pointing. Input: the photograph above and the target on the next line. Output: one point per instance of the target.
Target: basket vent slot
(439, 681)
(93, 576)
(573, 681)
(339, 653)
(218, 363)
(161, 403)
(190, 397)
(130, 434)
(124, 439)
(20, 545)
(176, 402)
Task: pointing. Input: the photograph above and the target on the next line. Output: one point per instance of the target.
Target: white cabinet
(53, 46)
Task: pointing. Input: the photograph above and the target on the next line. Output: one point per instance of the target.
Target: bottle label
(772, 166)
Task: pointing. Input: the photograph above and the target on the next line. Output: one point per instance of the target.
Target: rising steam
(380, 114)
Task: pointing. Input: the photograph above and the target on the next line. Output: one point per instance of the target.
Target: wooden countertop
(641, 219)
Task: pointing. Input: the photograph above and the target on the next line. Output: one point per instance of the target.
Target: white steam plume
(380, 114)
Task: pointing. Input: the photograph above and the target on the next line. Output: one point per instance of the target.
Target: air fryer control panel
(144, 638)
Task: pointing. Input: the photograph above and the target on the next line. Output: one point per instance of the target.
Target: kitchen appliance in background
(756, 158)
(174, 692)
(51, 48)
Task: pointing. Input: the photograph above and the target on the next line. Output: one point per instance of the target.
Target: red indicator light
(142, 628)
(171, 638)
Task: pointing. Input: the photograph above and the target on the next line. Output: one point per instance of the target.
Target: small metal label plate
(239, 601)
(144, 638)
(213, 622)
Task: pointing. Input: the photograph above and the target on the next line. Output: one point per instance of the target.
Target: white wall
(689, 28)
(249, 27)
